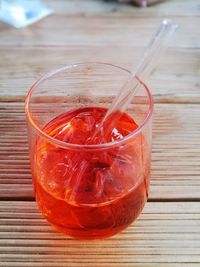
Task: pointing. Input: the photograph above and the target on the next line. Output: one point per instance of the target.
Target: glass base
(20, 13)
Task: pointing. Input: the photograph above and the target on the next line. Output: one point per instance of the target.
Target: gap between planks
(157, 99)
(171, 200)
(163, 233)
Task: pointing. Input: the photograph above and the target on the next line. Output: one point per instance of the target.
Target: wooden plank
(164, 233)
(175, 161)
(95, 30)
(113, 8)
(175, 79)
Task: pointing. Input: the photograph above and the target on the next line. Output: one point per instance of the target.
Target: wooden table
(168, 231)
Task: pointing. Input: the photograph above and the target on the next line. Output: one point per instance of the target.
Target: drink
(90, 193)
(88, 183)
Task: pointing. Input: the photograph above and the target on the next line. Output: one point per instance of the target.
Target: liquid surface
(90, 194)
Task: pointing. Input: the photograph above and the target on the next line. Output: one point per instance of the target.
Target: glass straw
(147, 63)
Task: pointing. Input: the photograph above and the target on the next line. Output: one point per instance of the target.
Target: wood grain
(183, 8)
(106, 32)
(93, 30)
(99, 23)
(175, 161)
(176, 79)
(165, 232)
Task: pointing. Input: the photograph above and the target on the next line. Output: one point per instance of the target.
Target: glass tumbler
(88, 190)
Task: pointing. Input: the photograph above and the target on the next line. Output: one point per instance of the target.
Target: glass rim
(65, 145)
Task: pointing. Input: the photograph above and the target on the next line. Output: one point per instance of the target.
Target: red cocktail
(89, 189)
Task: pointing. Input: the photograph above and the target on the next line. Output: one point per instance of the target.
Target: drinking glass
(88, 190)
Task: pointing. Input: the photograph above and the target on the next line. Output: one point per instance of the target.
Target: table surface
(167, 232)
